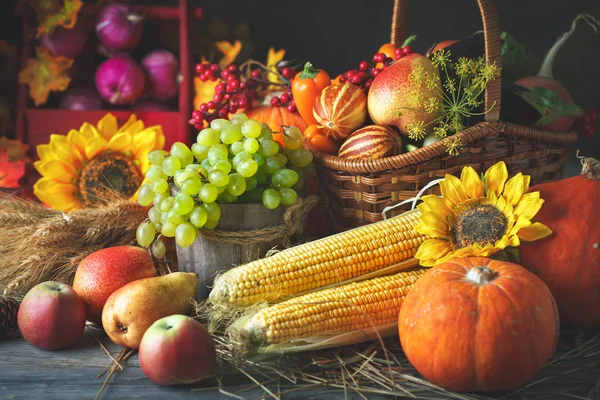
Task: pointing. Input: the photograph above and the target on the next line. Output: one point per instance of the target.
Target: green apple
(51, 316)
(177, 350)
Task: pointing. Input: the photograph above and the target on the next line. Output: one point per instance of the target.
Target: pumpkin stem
(481, 275)
(590, 167)
(309, 71)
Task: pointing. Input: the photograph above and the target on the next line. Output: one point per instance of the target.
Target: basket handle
(491, 33)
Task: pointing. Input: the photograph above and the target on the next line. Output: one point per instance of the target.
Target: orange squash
(275, 117)
(478, 325)
(568, 261)
(371, 142)
(340, 109)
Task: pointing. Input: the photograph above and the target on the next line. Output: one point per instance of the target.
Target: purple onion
(119, 27)
(81, 98)
(162, 70)
(150, 106)
(66, 42)
(120, 80)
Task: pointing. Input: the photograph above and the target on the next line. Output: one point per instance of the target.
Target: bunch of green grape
(232, 161)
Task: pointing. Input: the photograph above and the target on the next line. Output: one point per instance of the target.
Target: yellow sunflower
(478, 217)
(80, 168)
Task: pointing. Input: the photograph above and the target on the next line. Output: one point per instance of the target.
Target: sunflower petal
(61, 200)
(432, 250)
(88, 130)
(107, 126)
(528, 207)
(535, 231)
(433, 225)
(58, 170)
(453, 190)
(504, 206)
(513, 241)
(521, 223)
(471, 182)
(44, 152)
(437, 204)
(78, 139)
(129, 124)
(526, 182)
(94, 147)
(143, 141)
(64, 150)
(120, 142)
(495, 178)
(514, 189)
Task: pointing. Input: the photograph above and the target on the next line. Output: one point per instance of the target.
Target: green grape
(231, 134)
(156, 157)
(167, 204)
(265, 132)
(223, 165)
(174, 217)
(251, 145)
(247, 168)
(259, 158)
(183, 203)
(219, 124)
(145, 194)
(284, 178)
(293, 138)
(193, 168)
(206, 165)
(159, 250)
(218, 178)
(208, 193)
(237, 184)
(185, 234)
(182, 152)
(227, 197)
(300, 157)
(309, 170)
(182, 176)
(154, 215)
(288, 196)
(271, 165)
(271, 198)
(221, 189)
(236, 148)
(238, 119)
(155, 173)
(158, 226)
(203, 172)
(171, 165)
(268, 147)
(299, 186)
(261, 176)
(198, 216)
(281, 159)
(168, 229)
(208, 137)
(242, 156)
(191, 186)
(145, 234)
(160, 186)
(251, 128)
(211, 224)
(159, 198)
(213, 209)
(217, 152)
(251, 182)
(200, 151)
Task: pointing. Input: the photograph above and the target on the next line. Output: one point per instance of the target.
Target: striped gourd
(344, 315)
(371, 142)
(340, 109)
(387, 245)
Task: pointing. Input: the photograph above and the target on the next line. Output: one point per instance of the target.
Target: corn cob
(320, 263)
(347, 313)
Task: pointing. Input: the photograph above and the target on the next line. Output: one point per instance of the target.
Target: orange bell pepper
(306, 86)
(319, 141)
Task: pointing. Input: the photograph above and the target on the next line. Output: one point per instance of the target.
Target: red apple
(177, 350)
(51, 316)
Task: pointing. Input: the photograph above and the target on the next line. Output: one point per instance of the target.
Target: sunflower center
(481, 224)
(109, 173)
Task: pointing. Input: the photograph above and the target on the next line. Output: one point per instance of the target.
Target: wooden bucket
(207, 256)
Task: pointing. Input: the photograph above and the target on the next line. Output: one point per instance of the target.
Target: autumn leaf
(51, 14)
(273, 58)
(16, 150)
(44, 74)
(10, 172)
(230, 52)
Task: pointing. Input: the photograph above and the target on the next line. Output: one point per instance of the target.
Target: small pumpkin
(568, 261)
(340, 109)
(275, 117)
(478, 325)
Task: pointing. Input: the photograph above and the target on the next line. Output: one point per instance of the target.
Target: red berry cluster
(364, 75)
(284, 100)
(586, 125)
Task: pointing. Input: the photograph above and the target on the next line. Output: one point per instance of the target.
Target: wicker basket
(357, 191)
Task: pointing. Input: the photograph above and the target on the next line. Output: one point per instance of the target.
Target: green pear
(132, 309)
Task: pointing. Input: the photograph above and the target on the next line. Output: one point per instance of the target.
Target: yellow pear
(130, 310)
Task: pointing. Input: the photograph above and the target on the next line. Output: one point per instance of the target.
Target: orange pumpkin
(275, 117)
(340, 109)
(568, 261)
(478, 325)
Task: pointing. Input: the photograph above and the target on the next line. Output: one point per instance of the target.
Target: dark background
(337, 34)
